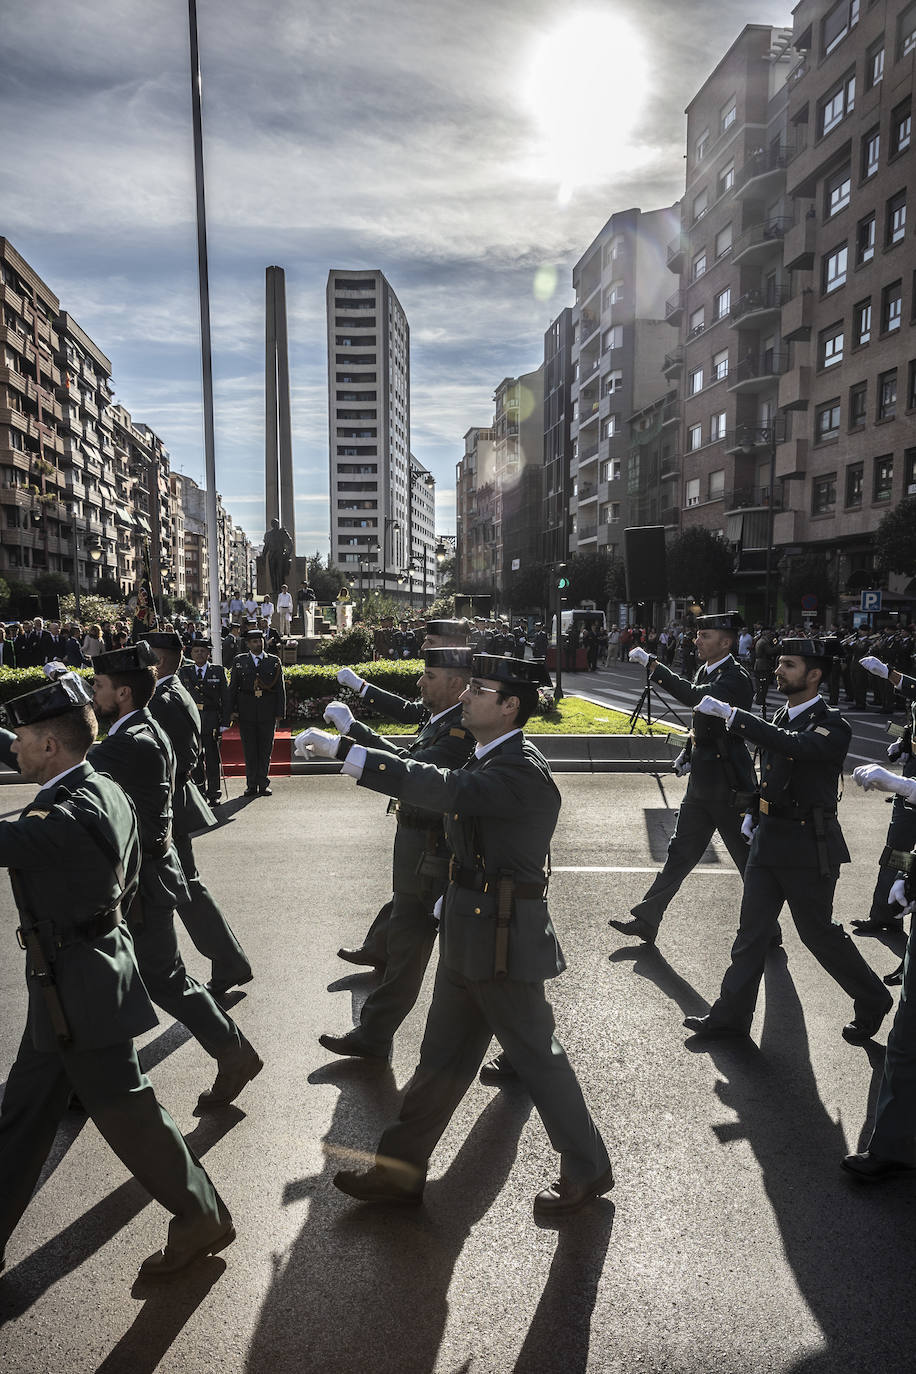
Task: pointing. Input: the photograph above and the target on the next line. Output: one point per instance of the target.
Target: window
(861, 316)
(837, 191)
(613, 382)
(895, 231)
(717, 484)
(827, 420)
(855, 483)
(613, 338)
(695, 381)
(823, 494)
(874, 63)
(720, 364)
(610, 470)
(901, 127)
(906, 31)
(726, 179)
(692, 491)
(830, 345)
(697, 322)
(891, 306)
(834, 269)
(871, 153)
(834, 108)
(615, 293)
(728, 114)
(694, 437)
(723, 303)
(887, 395)
(610, 427)
(700, 204)
(612, 512)
(701, 147)
(858, 401)
(723, 241)
(699, 265)
(911, 387)
(865, 240)
(836, 24)
(717, 427)
(884, 477)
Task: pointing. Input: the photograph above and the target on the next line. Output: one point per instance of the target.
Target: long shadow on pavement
(165, 1312)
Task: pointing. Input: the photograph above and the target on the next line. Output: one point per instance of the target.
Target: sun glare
(584, 89)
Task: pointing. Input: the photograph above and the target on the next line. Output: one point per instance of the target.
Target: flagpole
(203, 276)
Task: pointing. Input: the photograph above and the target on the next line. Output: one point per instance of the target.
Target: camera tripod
(645, 700)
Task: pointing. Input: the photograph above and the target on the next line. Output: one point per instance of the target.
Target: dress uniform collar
(48, 790)
(481, 750)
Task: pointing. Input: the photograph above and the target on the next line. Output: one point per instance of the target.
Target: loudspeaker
(644, 562)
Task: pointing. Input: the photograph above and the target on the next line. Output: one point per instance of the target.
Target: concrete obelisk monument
(278, 563)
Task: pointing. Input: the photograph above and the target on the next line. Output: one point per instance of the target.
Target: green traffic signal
(563, 583)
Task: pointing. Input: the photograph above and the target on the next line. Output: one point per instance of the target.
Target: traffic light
(562, 584)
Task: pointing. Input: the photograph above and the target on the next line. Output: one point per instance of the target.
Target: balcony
(753, 374)
(795, 389)
(761, 240)
(792, 458)
(670, 468)
(588, 455)
(758, 304)
(762, 172)
(798, 315)
(753, 438)
(670, 517)
(751, 498)
(586, 533)
(677, 249)
(674, 362)
(799, 243)
(674, 307)
(588, 491)
(588, 324)
(671, 413)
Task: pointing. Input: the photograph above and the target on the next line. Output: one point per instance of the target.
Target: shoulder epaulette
(456, 732)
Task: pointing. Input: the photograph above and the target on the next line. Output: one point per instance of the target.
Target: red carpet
(234, 761)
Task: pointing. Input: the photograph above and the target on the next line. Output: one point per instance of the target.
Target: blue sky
(470, 151)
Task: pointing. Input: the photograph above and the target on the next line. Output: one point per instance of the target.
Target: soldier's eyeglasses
(476, 689)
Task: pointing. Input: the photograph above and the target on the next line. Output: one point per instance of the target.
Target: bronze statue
(278, 553)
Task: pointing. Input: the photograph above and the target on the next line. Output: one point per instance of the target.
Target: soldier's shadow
(377, 1277)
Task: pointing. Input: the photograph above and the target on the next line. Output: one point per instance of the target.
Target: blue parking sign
(871, 602)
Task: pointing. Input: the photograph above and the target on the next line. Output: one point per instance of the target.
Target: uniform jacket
(271, 704)
(66, 880)
(210, 696)
(395, 707)
(719, 763)
(176, 713)
(500, 815)
(907, 760)
(140, 759)
(39, 649)
(801, 761)
(446, 743)
(7, 653)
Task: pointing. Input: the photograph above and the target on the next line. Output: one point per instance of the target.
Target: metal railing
(770, 298)
(752, 498)
(765, 231)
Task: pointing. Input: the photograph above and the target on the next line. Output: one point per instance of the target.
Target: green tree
(324, 580)
(597, 577)
(895, 539)
(443, 608)
(808, 575)
(526, 589)
(700, 565)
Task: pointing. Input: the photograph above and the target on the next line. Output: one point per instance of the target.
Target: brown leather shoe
(379, 1185)
(174, 1258)
(233, 1072)
(564, 1197)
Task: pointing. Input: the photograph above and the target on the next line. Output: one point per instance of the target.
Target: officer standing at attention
(74, 861)
(257, 696)
(797, 848)
(721, 781)
(138, 754)
(172, 706)
(497, 942)
(420, 865)
(207, 684)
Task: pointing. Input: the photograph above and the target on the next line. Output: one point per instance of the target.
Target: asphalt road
(732, 1242)
(621, 684)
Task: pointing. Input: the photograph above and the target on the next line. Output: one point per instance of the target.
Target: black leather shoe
(701, 1025)
(564, 1197)
(361, 956)
(872, 1169)
(264, 792)
(218, 987)
(378, 1185)
(861, 1029)
(352, 1046)
(251, 792)
(869, 926)
(173, 1259)
(234, 1071)
(498, 1072)
(637, 927)
(894, 980)
(215, 801)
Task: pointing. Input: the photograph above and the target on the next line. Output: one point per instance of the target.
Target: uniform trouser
(462, 1018)
(375, 940)
(697, 822)
(810, 899)
(211, 933)
(894, 1134)
(173, 989)
(123, 1106)
(257, 746)
(411, 937)
(901, 834)
(207, 773)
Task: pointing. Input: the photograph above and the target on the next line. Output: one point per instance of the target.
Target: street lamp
(387, 547)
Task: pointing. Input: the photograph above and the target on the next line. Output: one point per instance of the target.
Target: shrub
(353, 646)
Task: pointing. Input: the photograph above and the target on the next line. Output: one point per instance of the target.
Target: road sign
(871, 602)
(809, 602)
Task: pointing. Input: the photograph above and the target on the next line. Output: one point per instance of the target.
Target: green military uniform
(208, 688)
(74, 858)
(901, 833)
(257, 695)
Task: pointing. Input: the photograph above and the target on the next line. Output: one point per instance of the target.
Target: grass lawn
(572, 716)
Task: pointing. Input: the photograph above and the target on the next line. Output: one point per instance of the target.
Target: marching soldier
(74, 861)
(497, 942)
(420, 864)
(257, 696)
(796, 849)
(721, 775)
(207, 684)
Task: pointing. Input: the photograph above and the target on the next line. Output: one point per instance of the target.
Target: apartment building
(619, 341)
(558, 448)
(419, 571)
(476, 512)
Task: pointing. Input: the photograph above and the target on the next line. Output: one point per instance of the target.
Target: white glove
(317, 743)
(681, 765)
(224, 728)
(437, 909)
(338, 715)
(895, 750)
(747, 828)
(874, 665)
(639, 655)
(872, 775)
(55, 669)
(712, 706)
(897, 897)
(347, 678)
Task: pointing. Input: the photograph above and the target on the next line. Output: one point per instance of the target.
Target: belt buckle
(764, 806)
(19, 938)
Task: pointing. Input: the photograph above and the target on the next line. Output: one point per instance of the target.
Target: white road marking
(704, 872)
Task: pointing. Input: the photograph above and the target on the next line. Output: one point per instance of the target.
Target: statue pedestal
(296, 576)
(344, 616)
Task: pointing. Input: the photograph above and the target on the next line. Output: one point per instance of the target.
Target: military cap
(252, 632)
(63, 694)
(200, 643)
(165, 639)
(513, 672)
(448, 629)
(727, 620)
(133, 658)
(448, 658)
(821, 649)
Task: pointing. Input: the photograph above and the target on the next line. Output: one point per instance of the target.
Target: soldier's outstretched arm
(828, 741)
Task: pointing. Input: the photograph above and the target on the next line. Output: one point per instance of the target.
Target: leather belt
(87, 932)
(788, 813)
(433, 822)
(477, 880)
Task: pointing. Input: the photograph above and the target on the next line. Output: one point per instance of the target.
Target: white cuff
(364, 688)
(730, 718)
(355, 761)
